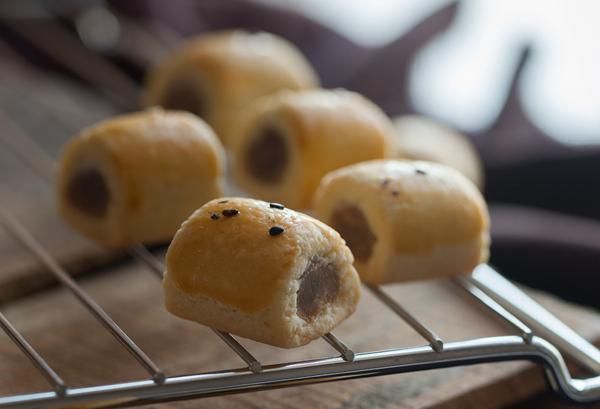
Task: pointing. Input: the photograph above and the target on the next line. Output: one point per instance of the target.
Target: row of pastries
(249, 106)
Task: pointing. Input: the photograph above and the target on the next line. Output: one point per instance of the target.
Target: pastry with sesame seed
(406, 220)
(260, 271)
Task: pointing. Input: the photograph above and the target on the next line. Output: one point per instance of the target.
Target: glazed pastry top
(426, 204)
(241, 251)
(171, 131)
(136, 177)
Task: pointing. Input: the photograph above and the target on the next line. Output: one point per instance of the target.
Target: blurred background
(519, 78)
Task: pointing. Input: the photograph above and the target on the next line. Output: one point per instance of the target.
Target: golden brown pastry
(136, 177)
(420, 138)
(285, 143)
(260, 271)
(216, 75)
(406, 220)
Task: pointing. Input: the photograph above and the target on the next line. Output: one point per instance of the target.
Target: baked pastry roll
(260, 271)
(136, 177)
(420, 138)
(284, 144)
(406, 220)
(216, 75)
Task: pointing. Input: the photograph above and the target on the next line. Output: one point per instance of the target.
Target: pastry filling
(88, 192)
(182, 96)
(319, 285)
(267, 156)
(352, 225)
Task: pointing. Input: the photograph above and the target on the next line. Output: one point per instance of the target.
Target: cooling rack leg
(482, 297)
(530, 312)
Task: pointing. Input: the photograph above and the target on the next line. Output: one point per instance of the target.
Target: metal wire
(53, 378)
(487, 301)
(60, 45)
(365, 364)
(346, 353)
(142, 254)
(253, 364)
(26, 149)
(15, 228)
(543, 323)
(434, 340)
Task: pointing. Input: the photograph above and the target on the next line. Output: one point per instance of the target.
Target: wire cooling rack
(540, 335)
(540, 338)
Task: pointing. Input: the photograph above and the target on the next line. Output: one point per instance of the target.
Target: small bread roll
(136, 177)
(260, 271)
(420, 138)
(216, 75)
(406, 220)
(285, 143)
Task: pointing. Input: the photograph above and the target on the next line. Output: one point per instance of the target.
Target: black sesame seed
(395, 193)
(223, 201)
(420, 171)
(275, 231)
(215, 216)
(385, 182)
(230, 212)
(276, 206)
